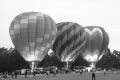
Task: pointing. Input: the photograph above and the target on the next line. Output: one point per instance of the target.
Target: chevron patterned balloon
(33, 33)
(69, 42)
(96, 43)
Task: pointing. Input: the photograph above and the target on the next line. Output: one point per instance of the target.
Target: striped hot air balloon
(96, 44)
(69, 42)
(33, 33)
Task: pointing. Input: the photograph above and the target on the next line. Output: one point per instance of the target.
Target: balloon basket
(33, 66)
(67, 67)
(92, 65)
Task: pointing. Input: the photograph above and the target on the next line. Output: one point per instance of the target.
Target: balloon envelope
(69, 41)
(96, 43)
(33, 33)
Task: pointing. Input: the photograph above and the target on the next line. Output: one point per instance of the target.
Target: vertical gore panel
(53, 30)
(47, 32)
(40, 34)
(24, 34)
(18, 35)
(32, 32)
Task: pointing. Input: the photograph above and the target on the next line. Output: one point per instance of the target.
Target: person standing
(81, 71)
(47, 73)
(34, 73)
(93, 74)
(54, 71)
(25, 73)
(104, 72)
(16, 73)
(12, 74)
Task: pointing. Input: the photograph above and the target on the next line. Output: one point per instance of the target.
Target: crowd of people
(30, 73)
(47, 72)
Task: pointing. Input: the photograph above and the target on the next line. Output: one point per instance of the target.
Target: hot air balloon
(69, 42)
(33, 33)
(96, 44)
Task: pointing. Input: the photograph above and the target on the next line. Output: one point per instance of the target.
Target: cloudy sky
(104, 13)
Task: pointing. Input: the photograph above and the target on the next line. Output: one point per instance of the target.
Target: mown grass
(70, 76)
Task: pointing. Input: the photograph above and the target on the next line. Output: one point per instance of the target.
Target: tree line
(10, 60)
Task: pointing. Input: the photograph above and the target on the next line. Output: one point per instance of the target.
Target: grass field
(70, 76)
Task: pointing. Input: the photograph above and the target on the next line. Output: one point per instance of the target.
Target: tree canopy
(10, 59)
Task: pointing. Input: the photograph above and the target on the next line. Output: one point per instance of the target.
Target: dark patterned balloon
(96, 43)
(33, 33)
(70, 41)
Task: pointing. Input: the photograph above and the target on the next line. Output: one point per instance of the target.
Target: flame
(91, 56)
(31, 57)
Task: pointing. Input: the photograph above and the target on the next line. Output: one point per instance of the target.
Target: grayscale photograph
(60, 40)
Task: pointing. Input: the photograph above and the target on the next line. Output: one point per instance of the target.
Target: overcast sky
(104, 13)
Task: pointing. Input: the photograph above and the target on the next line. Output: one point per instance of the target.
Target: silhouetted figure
(25, 73)
(34, 73)
(16, 74)
(93, 75)
(81, 71)
(47, 73)
(4, 75)
(12, 74)
(54, 72)
(104, 72)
